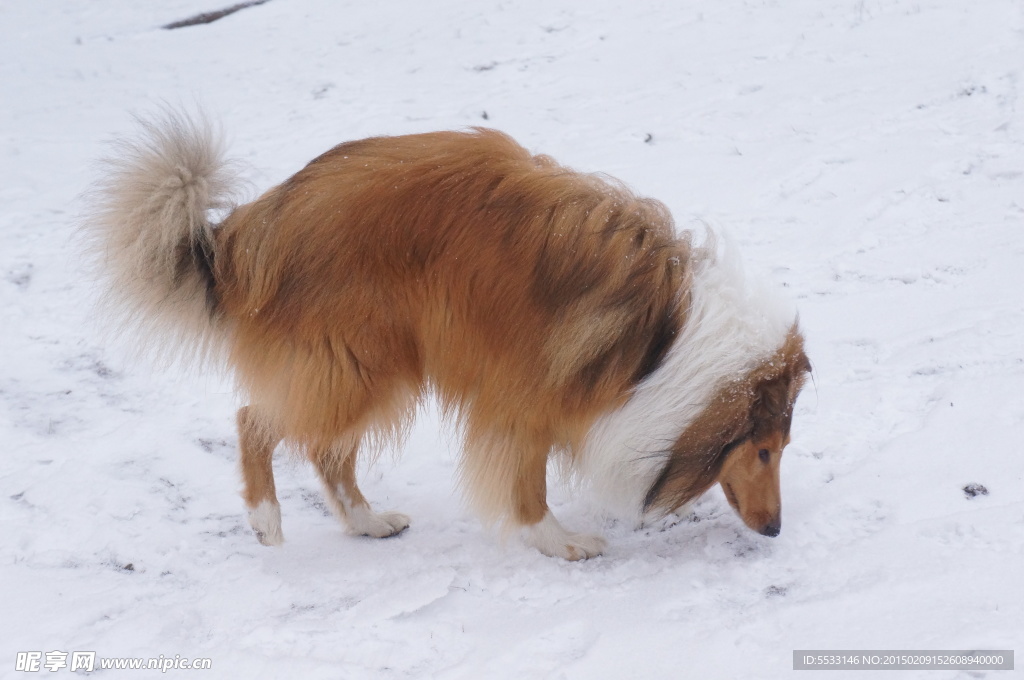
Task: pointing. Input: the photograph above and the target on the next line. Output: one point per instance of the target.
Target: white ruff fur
(732, 324)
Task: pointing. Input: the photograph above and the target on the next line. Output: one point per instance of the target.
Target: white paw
(549, 537)
(580, 547)
(365, 522)
(265, 520)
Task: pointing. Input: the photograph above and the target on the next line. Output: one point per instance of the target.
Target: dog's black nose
(772, 529)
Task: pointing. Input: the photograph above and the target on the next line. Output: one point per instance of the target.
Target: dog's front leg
(506, 478)
(551, 538)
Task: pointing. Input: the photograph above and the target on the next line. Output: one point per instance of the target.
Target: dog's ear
(697, 456)
(797, 367)
(777, 384)
(687, 475)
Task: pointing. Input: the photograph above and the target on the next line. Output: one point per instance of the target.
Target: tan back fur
(528, 296)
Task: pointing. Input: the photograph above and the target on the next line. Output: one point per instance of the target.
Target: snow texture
(867, 155)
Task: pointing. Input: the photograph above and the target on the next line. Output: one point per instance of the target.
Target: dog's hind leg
(257, 441)
(336, 466)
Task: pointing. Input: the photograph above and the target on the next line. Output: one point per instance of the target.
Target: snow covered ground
(867, 154)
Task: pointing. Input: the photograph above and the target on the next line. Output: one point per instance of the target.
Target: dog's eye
(764, 455)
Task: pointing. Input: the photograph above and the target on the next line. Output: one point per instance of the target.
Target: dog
(551, 313)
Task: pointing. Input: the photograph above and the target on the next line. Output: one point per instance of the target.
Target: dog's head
(738, 442)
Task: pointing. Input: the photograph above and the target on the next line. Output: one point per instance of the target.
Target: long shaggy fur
(534, 302)
(527, 296)
(151, 236)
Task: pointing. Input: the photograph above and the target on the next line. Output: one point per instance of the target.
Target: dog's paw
(265, 520)
(580, 547)
(365, 522)
(549, 537)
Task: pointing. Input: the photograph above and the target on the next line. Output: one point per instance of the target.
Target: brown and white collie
(551, 313)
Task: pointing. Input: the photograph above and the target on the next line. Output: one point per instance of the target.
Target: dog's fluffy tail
(151, 232)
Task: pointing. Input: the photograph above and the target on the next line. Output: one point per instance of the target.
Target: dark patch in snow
(744, 547)
(20, 276)
(102, 370)
(664, 524)
(127, 568)
(210, 17)
(746, 550)
(707, 513)
(236, 529)
(972, 490)
(210, 445)
(490, 66)
(775, 591)
(88, 361)
(971, 90)
(648, 138)
(315, 500)
(178, 500)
